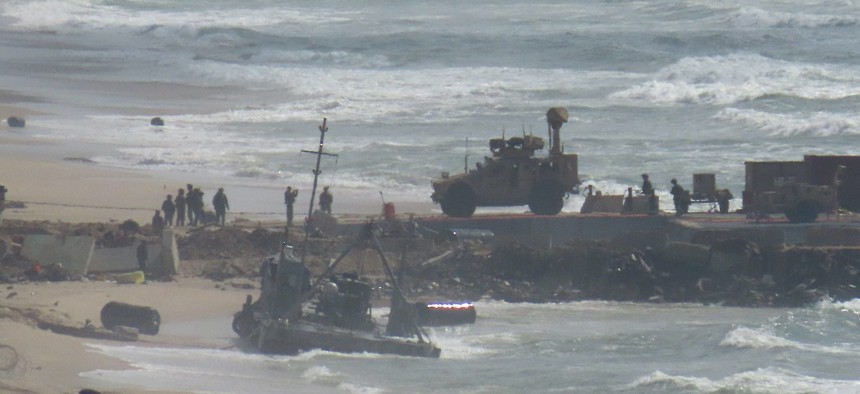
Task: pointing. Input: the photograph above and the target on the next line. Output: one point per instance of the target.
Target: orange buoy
(388, 211)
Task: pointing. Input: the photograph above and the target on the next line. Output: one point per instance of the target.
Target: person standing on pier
(219, 201)
(195, 203)
(179, 202)
(169, 208)
(680, 197)
(189, 201)
(289, 200)
(326, 199)
(648, 190)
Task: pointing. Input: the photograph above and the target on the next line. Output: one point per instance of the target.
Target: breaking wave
(750, 17)
(94, 14)
(745, 337)
(722, 80)
(766, 380)
(852, 306)
(820, 124)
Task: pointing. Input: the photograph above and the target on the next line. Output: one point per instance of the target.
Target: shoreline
(40, 359)
(57, 182)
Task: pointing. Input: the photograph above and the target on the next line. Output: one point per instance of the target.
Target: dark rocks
(764, 237)
(686, 256)
(639, 268)
(156, 121)
(653, 240)
(732, 272)
(736, 255)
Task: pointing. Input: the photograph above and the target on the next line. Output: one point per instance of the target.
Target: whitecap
(728, 79)
(771, 380)
(745, 337)
(819, 124)
(751, 17)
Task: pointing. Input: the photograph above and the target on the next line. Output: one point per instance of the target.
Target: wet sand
(39, 361)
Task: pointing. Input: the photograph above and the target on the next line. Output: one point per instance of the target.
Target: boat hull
(280, 337)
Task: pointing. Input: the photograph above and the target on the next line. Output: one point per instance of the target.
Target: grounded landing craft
(334, 313)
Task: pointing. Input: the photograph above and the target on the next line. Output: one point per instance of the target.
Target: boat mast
(319, 152)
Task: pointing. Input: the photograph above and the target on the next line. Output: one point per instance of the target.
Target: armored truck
(513, 175)
(802, 189)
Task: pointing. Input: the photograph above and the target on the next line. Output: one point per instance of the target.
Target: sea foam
(739, 77)
(775, 380)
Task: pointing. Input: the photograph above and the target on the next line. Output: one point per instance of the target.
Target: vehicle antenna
(466, 158)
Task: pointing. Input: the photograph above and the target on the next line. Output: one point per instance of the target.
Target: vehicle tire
(459, 201)
(805, 211)
(547, 198)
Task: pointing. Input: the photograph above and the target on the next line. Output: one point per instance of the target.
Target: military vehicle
(514, 175)
(800, 189)
(800, 202)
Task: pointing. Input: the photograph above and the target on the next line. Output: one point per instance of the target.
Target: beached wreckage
(334, 312)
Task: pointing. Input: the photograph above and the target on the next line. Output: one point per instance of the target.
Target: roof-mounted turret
(524, 146)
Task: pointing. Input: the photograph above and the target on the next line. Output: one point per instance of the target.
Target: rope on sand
(22, 204)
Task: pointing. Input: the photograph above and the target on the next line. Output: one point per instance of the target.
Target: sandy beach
(55, 184)
(58, 182)
(33, 360)
(40, 361)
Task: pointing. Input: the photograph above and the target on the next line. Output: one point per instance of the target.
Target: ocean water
(584, 347)
(409, 89)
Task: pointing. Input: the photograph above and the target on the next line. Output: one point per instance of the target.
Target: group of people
(680, 196)
(290, 195)
(189, 202)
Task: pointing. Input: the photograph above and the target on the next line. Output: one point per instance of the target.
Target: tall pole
(319, 152)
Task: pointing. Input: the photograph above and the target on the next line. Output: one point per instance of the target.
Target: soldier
(142, 255)
(188, 198)
(326, 199)
(723, 197)
(219, 201)
(179, 203)
(157, 223)
(648, 190)
(680, 197)
(195, 203)
(289, 200)
(169, 208)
